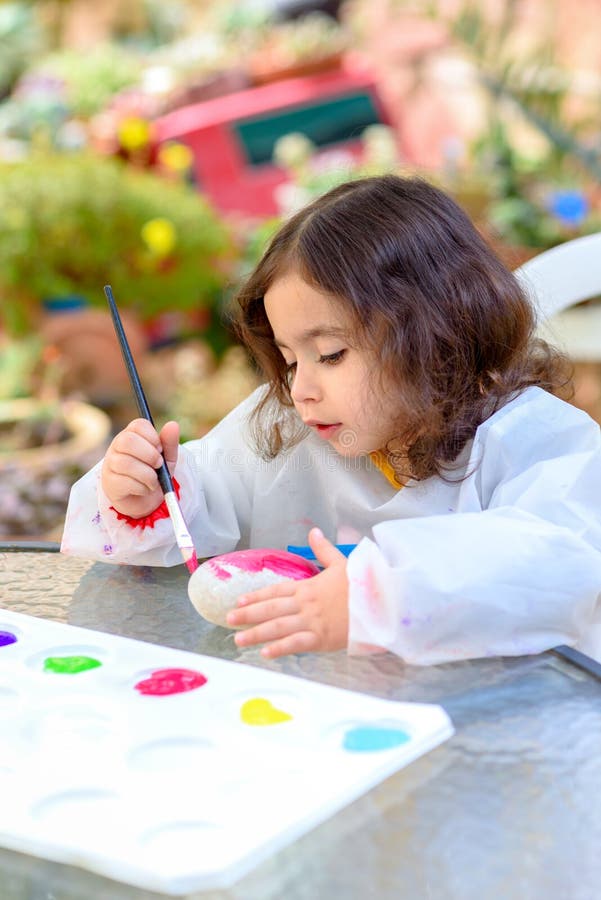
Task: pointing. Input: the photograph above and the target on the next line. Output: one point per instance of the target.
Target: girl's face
(330, 383)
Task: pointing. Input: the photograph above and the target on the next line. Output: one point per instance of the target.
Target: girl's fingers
(170, 442)
(128, 443)
(132, 488)
(135, 471)
(273, 630)
(263, 611)
(281, 589)
(301, 642)
(144, 428)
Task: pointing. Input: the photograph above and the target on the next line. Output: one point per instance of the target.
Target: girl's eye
(290, 367)
(332, 358)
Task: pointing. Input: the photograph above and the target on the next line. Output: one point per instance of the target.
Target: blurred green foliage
(92, 77)
(20, 40)
(71, 223)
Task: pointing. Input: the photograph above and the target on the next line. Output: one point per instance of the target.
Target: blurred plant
(174, 159)
(152, 25)
(311, 173)
(19, 360)
(57, 95)
(36, 105)
(124, 127)
(29, 368)
(188, 383)
(20, 40)
(535, 152)
(71, 223)
(527, 205)
(46, 440)
(284, 45)
(90, 78)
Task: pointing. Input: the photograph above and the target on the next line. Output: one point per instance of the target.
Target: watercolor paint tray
(176, 772)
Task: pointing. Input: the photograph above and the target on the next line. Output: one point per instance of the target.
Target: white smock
(506, 561)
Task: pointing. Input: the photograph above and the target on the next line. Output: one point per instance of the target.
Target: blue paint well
(369, 739)
(6, 638)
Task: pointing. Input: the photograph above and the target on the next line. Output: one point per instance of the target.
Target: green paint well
(368, 739)
(70, 665)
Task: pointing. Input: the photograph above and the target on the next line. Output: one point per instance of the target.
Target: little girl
(408, 408)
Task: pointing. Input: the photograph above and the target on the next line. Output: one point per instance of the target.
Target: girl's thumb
(169, 436)
(326, 553)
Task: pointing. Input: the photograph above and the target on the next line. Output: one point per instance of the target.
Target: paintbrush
(182, 535)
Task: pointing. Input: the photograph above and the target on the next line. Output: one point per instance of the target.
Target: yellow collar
(380, 460)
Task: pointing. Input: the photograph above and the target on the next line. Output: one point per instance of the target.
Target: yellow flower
(175, 156)
(160, 236)
(134, 133)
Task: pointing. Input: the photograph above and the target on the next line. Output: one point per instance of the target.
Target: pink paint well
(288, 565)
(163, 682)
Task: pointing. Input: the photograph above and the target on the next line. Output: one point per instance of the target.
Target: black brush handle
(163, 472)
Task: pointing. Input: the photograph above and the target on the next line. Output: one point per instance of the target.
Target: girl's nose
(304, 387)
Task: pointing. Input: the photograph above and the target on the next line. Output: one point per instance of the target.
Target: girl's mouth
(327, 431)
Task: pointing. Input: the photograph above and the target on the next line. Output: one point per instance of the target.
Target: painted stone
(215, 586)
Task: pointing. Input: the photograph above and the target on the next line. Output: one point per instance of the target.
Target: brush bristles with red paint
(182, 535)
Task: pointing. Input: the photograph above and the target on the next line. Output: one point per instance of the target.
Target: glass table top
(507, 808)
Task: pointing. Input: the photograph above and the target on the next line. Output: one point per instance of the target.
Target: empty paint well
(170, 754)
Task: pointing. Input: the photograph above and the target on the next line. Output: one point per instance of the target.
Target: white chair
(556, 280)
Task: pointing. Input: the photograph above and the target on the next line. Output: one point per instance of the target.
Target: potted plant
(46, 441)
(313, 43)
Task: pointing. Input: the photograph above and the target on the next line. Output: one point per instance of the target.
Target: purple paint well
(6, 638)
(288, 565)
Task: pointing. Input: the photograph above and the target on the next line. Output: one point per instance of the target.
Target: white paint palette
(176, 772)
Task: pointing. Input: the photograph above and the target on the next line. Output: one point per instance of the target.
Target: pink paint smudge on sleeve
(288, 565)
(371, 593)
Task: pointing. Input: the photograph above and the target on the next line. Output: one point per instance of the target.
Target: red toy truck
(232, 137)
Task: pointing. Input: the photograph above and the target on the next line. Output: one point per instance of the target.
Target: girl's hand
(298, 616)
(129, 477)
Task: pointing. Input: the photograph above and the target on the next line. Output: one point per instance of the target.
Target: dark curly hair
(447, 323)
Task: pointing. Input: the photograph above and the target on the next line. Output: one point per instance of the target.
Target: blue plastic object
(307, 553)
